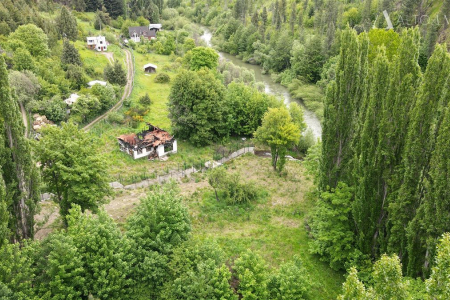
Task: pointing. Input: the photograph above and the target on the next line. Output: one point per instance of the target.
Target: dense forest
(379, 205)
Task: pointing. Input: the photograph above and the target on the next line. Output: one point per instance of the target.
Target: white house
(94, 82)
(150, 143)
(72, 99)
(97, 42)
(155, 27)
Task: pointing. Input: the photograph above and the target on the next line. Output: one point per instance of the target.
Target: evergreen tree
(66, 24)
(264, 16)
(93, 5)
(70, 55)
(115, 8)
(282, 11)
(293, 16)
(18, 169)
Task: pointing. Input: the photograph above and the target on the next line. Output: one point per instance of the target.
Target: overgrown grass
(275, 226)
(311, 95)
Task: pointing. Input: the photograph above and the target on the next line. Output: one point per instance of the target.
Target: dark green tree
(338, 113)
(66, 24)
(18, 169)
(418, 149)
(115, 8)
(197, 108)
(70, 55)
(115, 74)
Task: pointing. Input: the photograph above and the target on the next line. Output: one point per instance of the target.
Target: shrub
(162, 78)
(115, 117)
(145, 100)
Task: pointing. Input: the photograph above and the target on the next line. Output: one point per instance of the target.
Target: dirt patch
(109, 56)
(45, 221)
(286, 222)
(123, 204)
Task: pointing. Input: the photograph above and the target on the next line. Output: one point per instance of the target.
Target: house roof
(149, 138)
(94, 82)
(155, 26)
(72, 99)
(150, 66)
(141, 31)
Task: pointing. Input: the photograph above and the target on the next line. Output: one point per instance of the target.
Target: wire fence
(222, 154)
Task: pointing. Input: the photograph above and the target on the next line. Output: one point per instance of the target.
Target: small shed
(72, 99)
(150, 68)
(94, 82)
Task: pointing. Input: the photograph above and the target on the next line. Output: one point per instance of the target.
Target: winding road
(126, 91)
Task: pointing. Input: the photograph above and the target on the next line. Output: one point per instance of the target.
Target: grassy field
(275, 227)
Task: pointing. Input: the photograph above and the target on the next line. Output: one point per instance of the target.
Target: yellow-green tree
(279, 132)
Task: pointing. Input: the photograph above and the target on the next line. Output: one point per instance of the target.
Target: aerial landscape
(233, 149)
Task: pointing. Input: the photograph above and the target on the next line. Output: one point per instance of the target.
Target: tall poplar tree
(405, 81)
(369, 206)
(18, 169)
(338, 113)
(419, 146)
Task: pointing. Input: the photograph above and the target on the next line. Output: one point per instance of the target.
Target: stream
(271, 87)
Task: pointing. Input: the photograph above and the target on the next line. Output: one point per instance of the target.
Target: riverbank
(307, 95)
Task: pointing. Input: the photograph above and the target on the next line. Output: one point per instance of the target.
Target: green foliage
(74, 172)
(307, 60)
(115, 74)
(279, 132)
(290, 282)
(16, 270)
(201, 57)
(231, 188)
(66, 25)
(70, 55)
(105, 94)
(19, 174)
(333, 234)
(86, 107)
(33, 38)
(23, 60)
(145, 100)
(196, 107)
(251, 271)
(54, 109)
(353, 289)
(438, 285)
(102, 249)
(25, 85)
(59, 268)
(162, 78)
(160, 223)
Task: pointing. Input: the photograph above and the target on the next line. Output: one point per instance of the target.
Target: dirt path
(126, 91)
(109, 56)
(24, 117)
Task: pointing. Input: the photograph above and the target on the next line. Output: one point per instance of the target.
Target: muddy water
(271, 87)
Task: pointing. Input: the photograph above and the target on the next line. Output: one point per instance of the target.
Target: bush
(145, 100)
(162, 78)
(230, 188)
(115, 117)
(307, 140)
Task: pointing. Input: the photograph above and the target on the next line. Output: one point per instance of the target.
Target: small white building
(72, 99)
(150, 68)
(151, 143)
(155, 27)
(94, 82)
(97, 42)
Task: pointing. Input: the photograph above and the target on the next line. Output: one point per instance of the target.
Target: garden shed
(150, 68)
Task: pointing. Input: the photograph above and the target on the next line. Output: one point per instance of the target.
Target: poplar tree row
(385, 154)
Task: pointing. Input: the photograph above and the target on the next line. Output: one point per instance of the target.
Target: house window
(149, 148)
(139, 151)
(168, 147)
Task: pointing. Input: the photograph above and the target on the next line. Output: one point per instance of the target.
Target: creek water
(270, 86)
